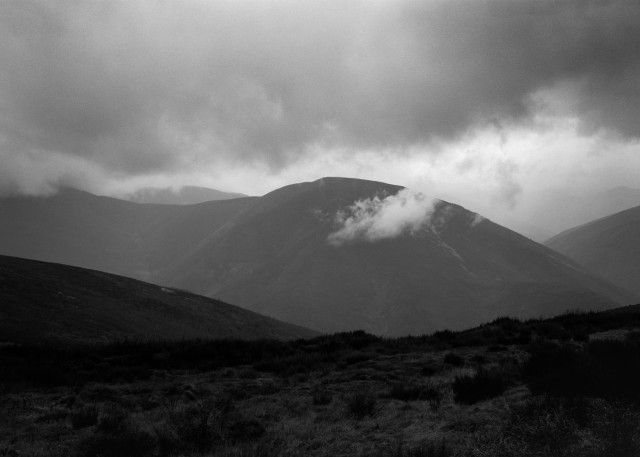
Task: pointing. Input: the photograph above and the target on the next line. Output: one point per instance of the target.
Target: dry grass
(347, 395)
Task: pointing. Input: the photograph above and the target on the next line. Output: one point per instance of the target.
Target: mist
(376, 218)
(247, 97)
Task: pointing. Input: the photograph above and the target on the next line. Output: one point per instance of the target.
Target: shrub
(84, 416)
(453, 360)
(117, 435)
(478, 359)
(426, 449)
(297, 363)
(619, 432)
(542, 427)
(361, 404)
(413, 392)
(321, 396)
(130, 442)
(191, 429)
(356, 357)
(602, 369)
(484, 384)
(428, 370)
(241, 429)
(113, 419)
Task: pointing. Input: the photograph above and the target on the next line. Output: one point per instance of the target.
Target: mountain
(78, 228)
(51, 302)
(271, 254)
(557, 209)
(275, 259)
(609, 246)
(186, 195)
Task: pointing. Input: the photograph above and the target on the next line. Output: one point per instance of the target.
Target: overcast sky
(487, 103)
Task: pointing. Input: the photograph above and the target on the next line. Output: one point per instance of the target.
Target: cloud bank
(374, 219)
(107, 91)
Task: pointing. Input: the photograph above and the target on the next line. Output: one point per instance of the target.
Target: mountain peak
(185, 195)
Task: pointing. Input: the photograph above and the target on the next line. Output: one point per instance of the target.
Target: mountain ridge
(608, 246)
(271, 254)
(184, 195)
(44, 302)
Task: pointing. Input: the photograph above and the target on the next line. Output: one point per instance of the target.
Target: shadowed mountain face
(271, 255)
(609, 247)
(187, 195)
(276, 259)
(50, 302)
(117, 236)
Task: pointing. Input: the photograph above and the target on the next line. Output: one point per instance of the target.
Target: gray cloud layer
(138, 86)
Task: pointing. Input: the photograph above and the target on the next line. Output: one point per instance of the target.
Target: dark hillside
(45, 302)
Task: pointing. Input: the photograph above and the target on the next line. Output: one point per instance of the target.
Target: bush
(453, 360)
(428, 370)
(541, 427)
(84, 416)
(426, 449)
(619, 432)
(129, 442)
(361, 404)
(478, 359)
(553, 427)
(191, 429)
(117, 435)
(321, 396)
(241, 429)
(113, 419)
(601, 369)
(483, 385)
(413, 392)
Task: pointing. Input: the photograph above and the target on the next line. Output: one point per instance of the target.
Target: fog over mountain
(337, 254)
(522, 113)
(561, 210)
(186, 195)
(333, 254)
(486, 103)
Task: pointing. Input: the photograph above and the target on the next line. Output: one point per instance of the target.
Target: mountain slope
(108, 234)
(557, 209)
(186, 195)
(45, 301)
(609, 247)
(271, 254)
(275, 259)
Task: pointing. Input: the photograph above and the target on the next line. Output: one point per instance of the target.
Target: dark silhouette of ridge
(609, 246)
(186, 195)
(44, 302)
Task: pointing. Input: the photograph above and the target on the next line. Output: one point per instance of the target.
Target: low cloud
(374, 219)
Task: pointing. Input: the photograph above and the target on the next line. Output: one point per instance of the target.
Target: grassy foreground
(560, 387)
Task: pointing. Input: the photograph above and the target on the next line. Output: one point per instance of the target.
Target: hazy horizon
(489, 104)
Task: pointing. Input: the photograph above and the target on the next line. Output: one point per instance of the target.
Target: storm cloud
(128, 88)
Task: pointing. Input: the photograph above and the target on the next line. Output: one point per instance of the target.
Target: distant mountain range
(609, 246)
(78, 228)
(274, 258)
(557, 210)
(271, 254)
(186, 195)
(43, 302)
